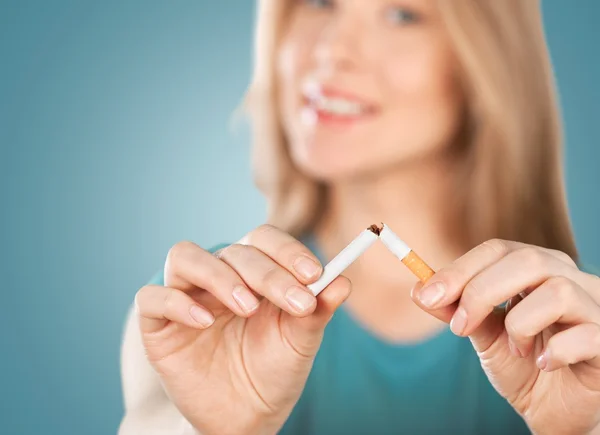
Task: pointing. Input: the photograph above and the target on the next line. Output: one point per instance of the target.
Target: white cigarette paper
(394, 243)
(345, 258)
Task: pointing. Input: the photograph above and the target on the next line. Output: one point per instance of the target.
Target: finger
(286, 251)
(190, 267)
(557, 300)
(305, 333)
(515, 273)
(581, 343)
(269, 279)
(330, 300)
(444, 313)
(439, 296)
(157, 306)
(446, 286)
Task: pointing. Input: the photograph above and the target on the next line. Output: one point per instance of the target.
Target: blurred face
(365, 85)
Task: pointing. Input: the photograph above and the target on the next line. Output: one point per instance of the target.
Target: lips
(334, 104)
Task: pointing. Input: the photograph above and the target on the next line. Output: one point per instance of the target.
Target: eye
(318, 3)
(401, 16)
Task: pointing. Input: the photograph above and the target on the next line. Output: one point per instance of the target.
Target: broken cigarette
(345, 258)
(360, 244)
(401, 250)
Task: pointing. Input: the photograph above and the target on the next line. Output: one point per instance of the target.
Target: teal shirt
(360, 384)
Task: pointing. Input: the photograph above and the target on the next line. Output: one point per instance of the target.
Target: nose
(337, 45)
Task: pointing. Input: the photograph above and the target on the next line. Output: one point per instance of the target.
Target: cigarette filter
(401, 250)
(345, 258)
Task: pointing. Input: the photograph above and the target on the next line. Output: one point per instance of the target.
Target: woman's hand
(230, 364)
(542, 351)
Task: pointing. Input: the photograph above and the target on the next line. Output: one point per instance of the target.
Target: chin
(328, 173)
(333, 166)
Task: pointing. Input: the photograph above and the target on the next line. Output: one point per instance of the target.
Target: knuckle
(265, 228)
(475, 293)
(248, 253)
(180, 250)
(143, 290)
(533, 257)
(273, 278)
(498, 246)
(220, 254)
(562, 291)
(258, 232)
(455, 277)
(563, 257)
(290, 250)
(230, 252)
(139, 299)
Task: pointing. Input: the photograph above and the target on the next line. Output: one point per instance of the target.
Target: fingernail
(542, 361)
(513, 348)
(299, 299)
(431, 294)
(200, 315)
(306, 267)
(245, 299)
(459, 321)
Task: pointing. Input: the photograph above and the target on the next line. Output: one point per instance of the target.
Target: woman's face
(365, 85)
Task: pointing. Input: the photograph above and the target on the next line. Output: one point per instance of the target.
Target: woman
(439, 119)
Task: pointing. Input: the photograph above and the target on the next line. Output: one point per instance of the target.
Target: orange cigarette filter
(417, 266)
(408, 257)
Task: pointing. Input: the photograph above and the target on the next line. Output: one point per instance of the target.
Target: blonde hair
(513, 135)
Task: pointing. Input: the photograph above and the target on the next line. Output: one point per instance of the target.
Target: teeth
(338, 106)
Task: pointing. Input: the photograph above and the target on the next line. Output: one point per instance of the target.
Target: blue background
(116, 141)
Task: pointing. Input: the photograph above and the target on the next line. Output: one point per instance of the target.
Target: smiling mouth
(337, 106)
(331, 105)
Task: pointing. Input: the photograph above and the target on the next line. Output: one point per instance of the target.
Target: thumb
(444, 314)
(483, 337)
(305, 333)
